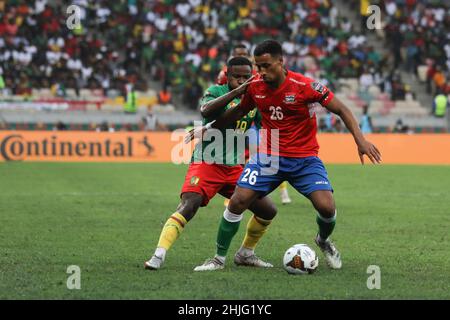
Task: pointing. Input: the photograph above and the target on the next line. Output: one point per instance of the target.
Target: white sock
(161, 253)
(232, 217)
(220, 258)
(246, 252)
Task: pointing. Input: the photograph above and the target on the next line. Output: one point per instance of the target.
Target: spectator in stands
(178, 43)
(104, 127)
(330, 121)
(366, 80)
(440, 104)
(181, 43)
(338, 127)
(192, 94)
(127, 127)
(366, 121)
(400, 127)
(131, 99)
(2, 82)
(150, 123)
(430, 74)
(365, 13)
(322, 125)
(60, 126)
(439, 80)
(164, 96)
(398, 87)
(420, 30)
(40, 126)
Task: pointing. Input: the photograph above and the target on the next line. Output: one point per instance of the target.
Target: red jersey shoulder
(298, 79)
(313, 89)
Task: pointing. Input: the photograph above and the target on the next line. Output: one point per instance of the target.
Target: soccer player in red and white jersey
(211, 174)
(240, 50)
(284, 98)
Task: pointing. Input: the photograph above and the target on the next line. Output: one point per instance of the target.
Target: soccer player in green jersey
(215, 172)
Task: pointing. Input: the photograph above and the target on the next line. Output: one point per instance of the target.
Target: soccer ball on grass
(300, 259)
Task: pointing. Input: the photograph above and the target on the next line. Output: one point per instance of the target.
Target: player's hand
(243, 87)
(194, 133)
(370, 150)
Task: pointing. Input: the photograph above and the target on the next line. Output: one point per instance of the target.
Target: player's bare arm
(228, 117)
(231, 115)
(364, 147)
(209, 109)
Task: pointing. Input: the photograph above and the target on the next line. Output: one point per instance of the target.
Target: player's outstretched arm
(364, 147)
(228, 117)
(211, 108)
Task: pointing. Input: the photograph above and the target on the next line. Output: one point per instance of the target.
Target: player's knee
(238, 204)
(326, 210)
(189, 207)
(271, 212)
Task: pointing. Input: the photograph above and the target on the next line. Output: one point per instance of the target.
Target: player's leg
(228, 227)
(201, 183)
(284, 194)
(251, 185)
(174, 226)
(310, 178)
(323, 202)
(264, 211)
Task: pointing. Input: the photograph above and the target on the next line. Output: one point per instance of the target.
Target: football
(300, 259)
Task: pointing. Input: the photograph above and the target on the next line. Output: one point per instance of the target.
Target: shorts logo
(194, 181)
(318, 87)
(321, 182)
(290, 98)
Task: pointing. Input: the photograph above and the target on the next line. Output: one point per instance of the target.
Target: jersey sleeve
(210, 94)
(247, 102)
(317, 92)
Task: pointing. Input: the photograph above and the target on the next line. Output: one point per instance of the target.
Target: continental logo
(17, 147)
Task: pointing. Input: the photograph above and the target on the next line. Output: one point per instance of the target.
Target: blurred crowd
(183, 44)
(417, 34)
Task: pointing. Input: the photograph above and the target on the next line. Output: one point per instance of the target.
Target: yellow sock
(256, 227)
(283, 186)
(171, 230)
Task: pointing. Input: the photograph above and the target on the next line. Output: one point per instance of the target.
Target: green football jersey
(230, 153)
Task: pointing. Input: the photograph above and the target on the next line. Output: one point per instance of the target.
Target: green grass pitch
(106, 219)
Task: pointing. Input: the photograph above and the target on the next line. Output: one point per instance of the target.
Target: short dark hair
(269, 46)
(239, 61)
(240, 46)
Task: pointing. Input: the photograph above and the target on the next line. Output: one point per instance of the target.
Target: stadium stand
(81, 74)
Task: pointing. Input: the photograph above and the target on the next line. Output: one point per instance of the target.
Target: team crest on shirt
(289, 98)
(194, 180)
(318, 87)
